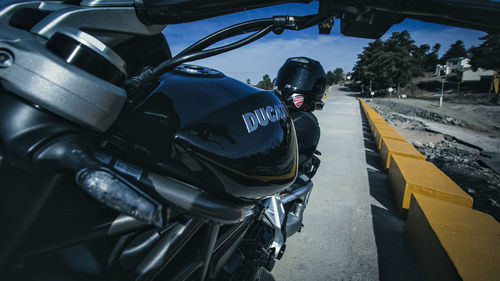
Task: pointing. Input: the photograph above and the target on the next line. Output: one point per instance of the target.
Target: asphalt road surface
(351, 228)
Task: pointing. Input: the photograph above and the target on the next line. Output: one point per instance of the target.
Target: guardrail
(451, 241)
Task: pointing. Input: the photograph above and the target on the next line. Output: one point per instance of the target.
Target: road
(351, 230)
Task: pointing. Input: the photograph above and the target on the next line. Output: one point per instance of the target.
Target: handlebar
(260, 27)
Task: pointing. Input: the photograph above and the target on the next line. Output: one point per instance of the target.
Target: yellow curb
(387, 133)
(408, 176)
(452, 242)
(397, 147)
(379, 124)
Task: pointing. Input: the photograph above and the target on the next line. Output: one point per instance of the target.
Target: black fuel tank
(225, 136)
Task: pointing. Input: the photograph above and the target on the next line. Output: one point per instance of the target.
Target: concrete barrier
(396, 147)
(452, 242)
(373, 115)
(408, 176)
(379, 124)
(386, 133)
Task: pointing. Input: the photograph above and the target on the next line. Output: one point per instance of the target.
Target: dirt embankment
(482, 118)
(460, 162)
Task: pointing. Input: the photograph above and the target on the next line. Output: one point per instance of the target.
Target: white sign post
(372, 93)
(390, 91)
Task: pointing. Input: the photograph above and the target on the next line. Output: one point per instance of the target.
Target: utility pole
(442, 87)
(442, 91)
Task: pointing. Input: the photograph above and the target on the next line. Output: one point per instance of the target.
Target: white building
(460, 69)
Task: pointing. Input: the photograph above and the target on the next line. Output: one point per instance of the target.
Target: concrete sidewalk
(351, 230)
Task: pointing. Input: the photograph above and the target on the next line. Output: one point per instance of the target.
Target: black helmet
(301, 82)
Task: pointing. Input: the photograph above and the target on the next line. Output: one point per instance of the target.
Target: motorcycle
(119, 161)
(123, 176)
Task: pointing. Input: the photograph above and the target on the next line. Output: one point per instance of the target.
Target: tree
(366, 66)
(248, 82)
(329, 78)
(390, 63)
(266, 83)
(404, 64)
(338, 74)
(431, 58)
(425, 58)
(436, 48)
(457, 50)
(486, 55)
(420, 54)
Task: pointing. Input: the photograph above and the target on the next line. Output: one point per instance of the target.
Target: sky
(266, 55)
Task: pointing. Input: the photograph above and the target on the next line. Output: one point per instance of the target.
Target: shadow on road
(344, 89)
(266, 276)
(395, 259)
(356, 95)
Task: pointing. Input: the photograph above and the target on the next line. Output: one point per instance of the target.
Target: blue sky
(266, 55)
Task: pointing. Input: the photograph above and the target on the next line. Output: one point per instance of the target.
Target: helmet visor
(297, 78)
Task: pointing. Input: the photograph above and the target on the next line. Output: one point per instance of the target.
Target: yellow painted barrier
(379, 124)
(386, 133)
(408, 176)
(451, 242)
(450, 239)
(397, 147)
(373, 115)
(372, 111)
(376, 119)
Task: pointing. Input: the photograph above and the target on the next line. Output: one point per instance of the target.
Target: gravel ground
(460, 162)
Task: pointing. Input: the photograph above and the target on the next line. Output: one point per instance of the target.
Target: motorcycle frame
(218, 239)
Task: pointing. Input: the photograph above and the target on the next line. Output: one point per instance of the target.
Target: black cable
(177, 60)
(196, 51)
(237, 29)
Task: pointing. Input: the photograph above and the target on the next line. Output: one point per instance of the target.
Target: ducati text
(263, 116)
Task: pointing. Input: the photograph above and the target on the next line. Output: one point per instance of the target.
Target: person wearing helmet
(301, 84)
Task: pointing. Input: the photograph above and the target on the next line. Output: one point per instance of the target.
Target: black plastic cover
(372, 25)
(179, 11)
